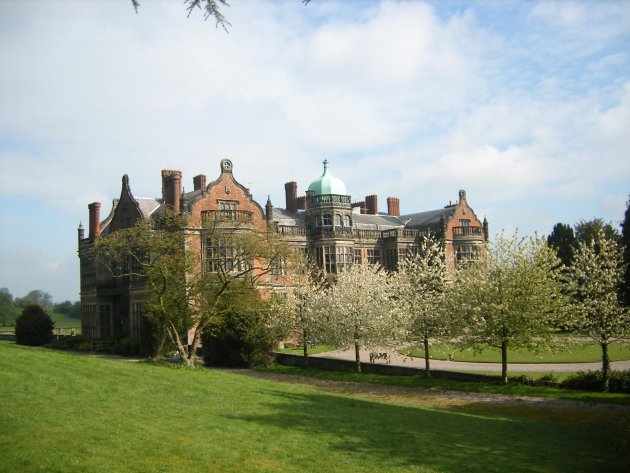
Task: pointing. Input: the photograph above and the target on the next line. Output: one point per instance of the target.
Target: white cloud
(404, 98)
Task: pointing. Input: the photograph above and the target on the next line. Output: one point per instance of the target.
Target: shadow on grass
(442, 440)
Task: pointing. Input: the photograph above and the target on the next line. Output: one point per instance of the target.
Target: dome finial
(325, 165)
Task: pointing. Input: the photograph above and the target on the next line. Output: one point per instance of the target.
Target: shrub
(34, 326)
(545, 380)
(238, 339)
(128, 347)
(67, 343)
(85, 346)
(619, 381)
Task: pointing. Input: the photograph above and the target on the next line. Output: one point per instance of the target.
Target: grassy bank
(75, 413)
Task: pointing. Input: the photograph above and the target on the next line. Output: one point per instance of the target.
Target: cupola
(327, 184)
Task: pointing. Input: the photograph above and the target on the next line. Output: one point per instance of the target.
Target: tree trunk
(427, 364)
(182, 349)
(305, 345)
(357, 356)
(504, 365)
(605, 366)
(160, 346)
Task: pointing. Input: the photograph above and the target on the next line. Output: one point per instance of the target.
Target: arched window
(346, 221)
(327, 220)
(337, 220)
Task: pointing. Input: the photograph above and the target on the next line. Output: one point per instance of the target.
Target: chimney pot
(393, 206)
(290, 189)
(371, 204)
(95, 219)
(199, 182)
(172, 188)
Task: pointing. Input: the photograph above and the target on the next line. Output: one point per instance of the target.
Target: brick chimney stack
(290, 189)
(171, 188)
(301, 203)
(95, 219)
(371, 203)
(393, 206)
(199, 182)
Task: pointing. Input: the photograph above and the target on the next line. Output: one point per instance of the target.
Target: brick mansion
(325, 223)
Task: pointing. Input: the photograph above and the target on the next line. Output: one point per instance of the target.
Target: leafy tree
(210, 8)
(185, 296)
(240, 335)
(34, 326)
(625, 242)
(71, 309)
(511, 298)
(363, 311)
(423, 282)
(562, 239)
(8, 309)
(36, 296)
(597, 272)
(587, 231)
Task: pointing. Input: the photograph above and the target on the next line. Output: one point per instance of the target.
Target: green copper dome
(327, 184)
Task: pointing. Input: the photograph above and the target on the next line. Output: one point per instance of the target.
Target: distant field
(74, 413)
(584, 352)
(61, 321)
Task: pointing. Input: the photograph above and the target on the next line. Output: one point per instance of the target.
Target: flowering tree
(422, 282)
(363, 310)
(307, 300)
(597, 273)
(511, 297)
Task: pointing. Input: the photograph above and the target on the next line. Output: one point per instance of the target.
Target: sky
(524, 104)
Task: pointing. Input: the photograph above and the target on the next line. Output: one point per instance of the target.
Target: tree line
(10, 307)
(520, 293)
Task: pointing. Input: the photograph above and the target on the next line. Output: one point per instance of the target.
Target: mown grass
(579, 352)
(449, 384)
(74, 413)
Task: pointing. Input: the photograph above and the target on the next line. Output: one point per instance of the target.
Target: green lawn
(74, 413)
(63, 321)
(583, 352)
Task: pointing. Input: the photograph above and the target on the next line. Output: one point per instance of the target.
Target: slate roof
(431, 219)
(285, 217)
(148, 205)
(375, 222)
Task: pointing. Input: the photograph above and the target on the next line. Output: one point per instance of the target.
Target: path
(525, 406)
(399, 360)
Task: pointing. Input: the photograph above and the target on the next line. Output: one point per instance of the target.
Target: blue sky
(526, 105)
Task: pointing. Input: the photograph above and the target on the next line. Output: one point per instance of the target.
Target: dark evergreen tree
(625, 241)
(562, 239)
(34, 326)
